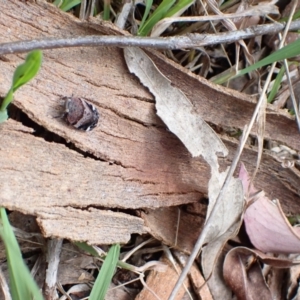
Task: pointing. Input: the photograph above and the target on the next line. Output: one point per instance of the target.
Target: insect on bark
(80, 114)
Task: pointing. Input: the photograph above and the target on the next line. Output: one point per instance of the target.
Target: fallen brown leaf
(243, 274)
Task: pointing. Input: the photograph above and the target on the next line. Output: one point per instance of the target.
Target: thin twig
(178, 42)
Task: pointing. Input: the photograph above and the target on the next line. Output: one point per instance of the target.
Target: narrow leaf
(22, 285)
(106, 11)
(87, 248)
(57, 3)
(8, 98)
(106, 273)
(290, 50)
(183, 4)
(146, 13)
(26, 71)
(69, 4)
(276, 85)
(157, 15)
(177, 10)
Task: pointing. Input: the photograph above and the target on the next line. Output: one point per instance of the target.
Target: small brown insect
(80, 114)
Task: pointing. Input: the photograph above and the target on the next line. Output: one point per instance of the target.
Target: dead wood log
(133, 162)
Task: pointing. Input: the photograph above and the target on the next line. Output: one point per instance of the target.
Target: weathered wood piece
(135, 161)
(52, 182)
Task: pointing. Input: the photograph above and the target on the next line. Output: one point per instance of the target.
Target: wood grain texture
(135, 161)
(54, 183)
(129, 137)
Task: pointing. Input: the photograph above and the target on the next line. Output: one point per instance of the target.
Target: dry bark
(135, 162)
(161, 283)
(53, 182)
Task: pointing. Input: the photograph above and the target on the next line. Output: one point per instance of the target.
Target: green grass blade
(106, 10)
(22, 285)
(295, 16)
(177, 10)
(23, 73)
(106, 273)
(57, 3)
(69, 4)
(224, 77)
(8, 98)
(180, 6)
(147, 10)
(157, 15)
(276, 85)
(87, 248)
(290, 50)
(26, 71)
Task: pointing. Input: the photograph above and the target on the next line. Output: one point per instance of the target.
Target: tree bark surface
(130, 160)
